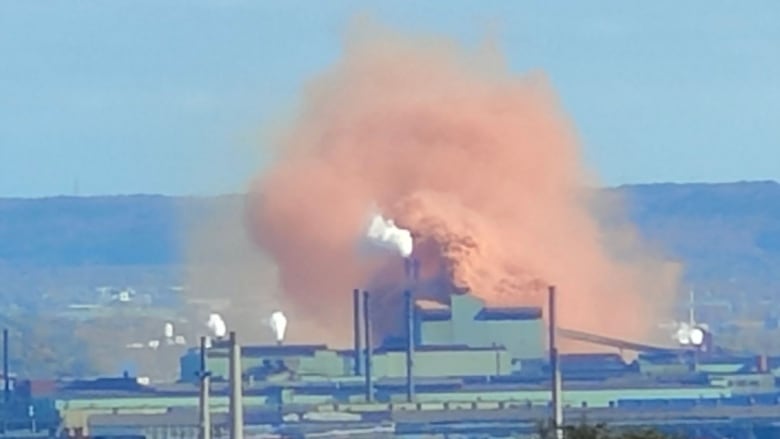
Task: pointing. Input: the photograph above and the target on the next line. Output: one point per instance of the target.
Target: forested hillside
(722, 232)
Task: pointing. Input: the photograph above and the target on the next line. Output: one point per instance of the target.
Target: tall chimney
(205, 383)
(415, 270)
(367, 329)
(6, 378)
(236, 397)
(762, 364)
(410, 340)
(555, 368)
(356, 322)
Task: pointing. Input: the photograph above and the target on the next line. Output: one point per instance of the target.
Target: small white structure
(168, 330)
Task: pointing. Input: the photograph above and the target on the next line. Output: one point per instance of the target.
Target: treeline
(602, 431)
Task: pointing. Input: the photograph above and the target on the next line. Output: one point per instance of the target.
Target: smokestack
(236, 397)
(205, 383)
(555, 368)
(356, 322)
(410, 337)
(6, 378)
(367, 329)
(412, 270)
(762, 364)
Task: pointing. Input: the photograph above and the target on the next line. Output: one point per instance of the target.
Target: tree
(601, 431)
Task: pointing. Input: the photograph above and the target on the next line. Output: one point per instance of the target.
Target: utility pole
(356, 331)
(205, 383)
(369, 353)
(555, 369)
(236, 394)
(410, 339)
(6, 372)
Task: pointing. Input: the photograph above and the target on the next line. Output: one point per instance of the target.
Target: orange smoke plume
(481, 166)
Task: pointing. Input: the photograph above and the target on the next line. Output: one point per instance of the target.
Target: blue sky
(174, 97)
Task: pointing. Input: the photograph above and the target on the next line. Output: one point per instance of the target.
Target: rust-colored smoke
(478, 162)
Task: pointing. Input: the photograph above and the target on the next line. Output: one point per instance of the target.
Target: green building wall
(524, 339)
(435, 333)
(324, 363)
(485, 362)
(392, 364)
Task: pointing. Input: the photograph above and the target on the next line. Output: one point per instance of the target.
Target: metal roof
(509, 313)
(273, 351)
(177, 417)
(438, 348)
(431, 311)
(434, 314)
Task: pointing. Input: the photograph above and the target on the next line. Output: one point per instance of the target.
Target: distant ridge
(722, 231)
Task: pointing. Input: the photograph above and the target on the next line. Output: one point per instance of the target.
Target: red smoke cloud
(479, 163)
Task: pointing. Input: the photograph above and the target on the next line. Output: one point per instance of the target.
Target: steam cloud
(479, 163)
(278, 324)
(217, 325)
(384, 233)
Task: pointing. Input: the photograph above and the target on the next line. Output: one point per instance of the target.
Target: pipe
(6, 378)
(410, 340)
(555, 368)
(762, 364)
(205, 384)
(356, 322)
(236, 397)
(415, 270)
(367, 329)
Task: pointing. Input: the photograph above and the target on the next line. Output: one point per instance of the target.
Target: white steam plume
(217, 325)
(384, 233)
(278, 323)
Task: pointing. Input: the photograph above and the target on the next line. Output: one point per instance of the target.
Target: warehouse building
(466, 321)
(464, 338)
(301, 362)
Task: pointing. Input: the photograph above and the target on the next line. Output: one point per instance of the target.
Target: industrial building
(468, 322)
(462, 339)
(469, 362)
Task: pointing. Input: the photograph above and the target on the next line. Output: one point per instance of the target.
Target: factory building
(300, 362)
(468, 322)
(267, 361)
(462, 339)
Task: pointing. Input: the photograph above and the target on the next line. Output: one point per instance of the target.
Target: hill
(724, 233)
(727, 234)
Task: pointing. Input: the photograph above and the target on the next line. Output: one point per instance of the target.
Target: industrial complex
(462, 367)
